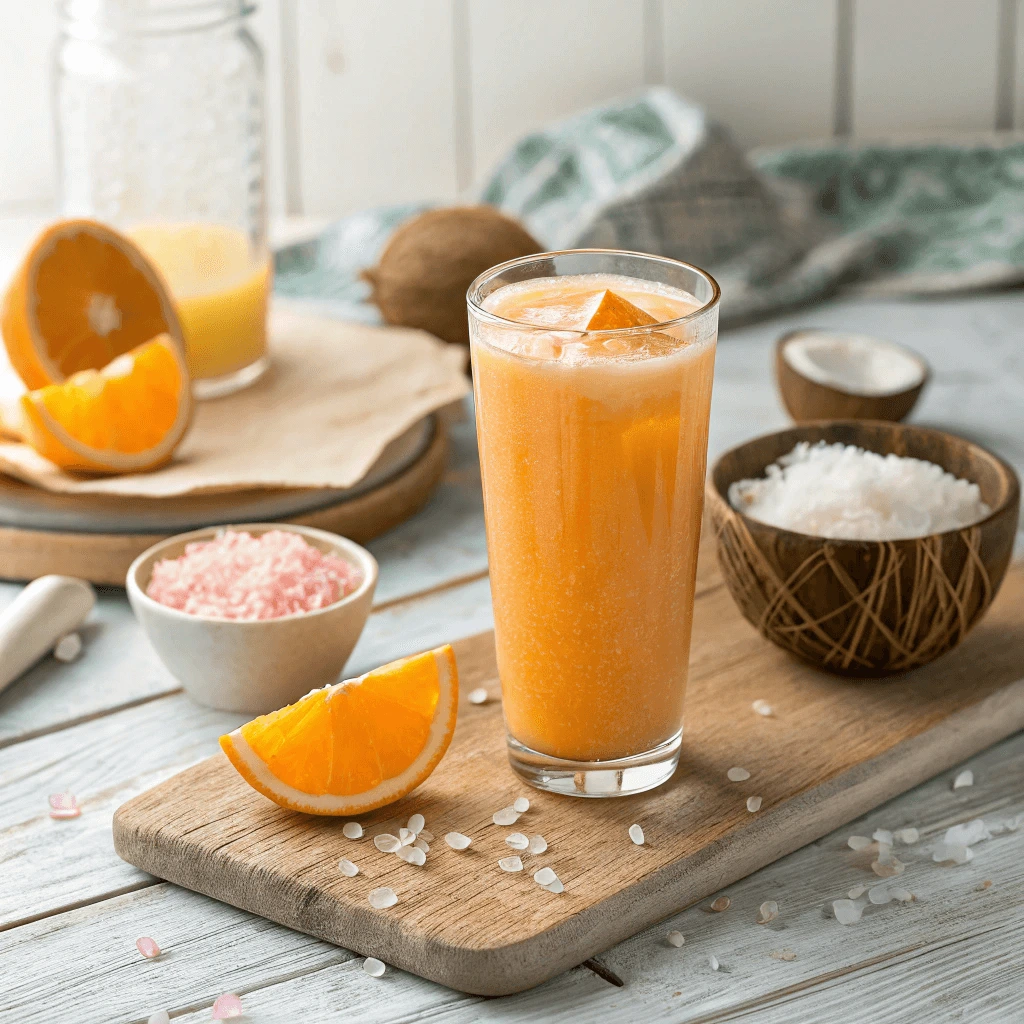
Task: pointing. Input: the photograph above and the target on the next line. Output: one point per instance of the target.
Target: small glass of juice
(592, 374)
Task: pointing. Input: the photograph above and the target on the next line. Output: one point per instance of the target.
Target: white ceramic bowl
(254, 666)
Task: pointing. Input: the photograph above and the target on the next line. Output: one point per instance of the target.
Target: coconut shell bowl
(865, 608)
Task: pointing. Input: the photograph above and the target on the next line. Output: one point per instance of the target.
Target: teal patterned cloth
(653, 173)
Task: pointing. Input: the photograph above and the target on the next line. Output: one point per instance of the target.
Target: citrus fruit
(356, 745)
(82, 296)
(125, 418)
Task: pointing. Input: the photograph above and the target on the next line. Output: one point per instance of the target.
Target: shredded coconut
(844, 492)
(239, 576)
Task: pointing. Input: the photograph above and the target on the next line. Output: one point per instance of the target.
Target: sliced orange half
(356, 745)
(127, 417)
(83, 295)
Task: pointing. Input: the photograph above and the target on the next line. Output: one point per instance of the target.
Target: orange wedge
(82, 296)
(127, 417)
(356, 745)
(614, 313)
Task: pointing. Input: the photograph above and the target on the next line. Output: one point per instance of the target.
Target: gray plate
(30, 508)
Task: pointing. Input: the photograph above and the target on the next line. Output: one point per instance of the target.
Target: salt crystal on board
(160, 1017)
(412, 855)
(888, 868)
(556, 886)
(737, 775)
(955, 852)
(538, 844)
(636, 833)
(675, 939)
(517, 841)
(967, 835)
(352, 830)
(858, 842)
(903, 895)
(768, 911)
(373, 967)
(965, 778)
(510, 864)
(68, 647)
(425, 834)
(713, 961)
(879, 895)
(347, 868)
(382, 898)
(907, 836)
(506, 816)
(722, 903)
(147, 947)
(753, 804)
(422, 844)
(227, 1006)
(64, 805)
(387, 843)
(857, 890)
(545, 876)
(406, 837)
(520, 805)
(782, 954)
(477, 696)
(763, 708)
(457, 841)
(416, 823)
(882, 835)
(846, 911)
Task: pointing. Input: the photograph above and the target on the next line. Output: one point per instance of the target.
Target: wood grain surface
(834, 749)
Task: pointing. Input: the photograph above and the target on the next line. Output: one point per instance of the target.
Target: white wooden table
(114, 723)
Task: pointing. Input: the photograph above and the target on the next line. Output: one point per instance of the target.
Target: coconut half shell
(430, 261)
(826, 375)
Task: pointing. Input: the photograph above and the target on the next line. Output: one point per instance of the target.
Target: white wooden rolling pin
(39, 616)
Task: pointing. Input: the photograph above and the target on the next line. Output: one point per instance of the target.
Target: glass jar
(159, 108)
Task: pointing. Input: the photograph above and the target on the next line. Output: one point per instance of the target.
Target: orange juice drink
(592, 376)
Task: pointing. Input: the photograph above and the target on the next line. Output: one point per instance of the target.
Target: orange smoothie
(593, 449)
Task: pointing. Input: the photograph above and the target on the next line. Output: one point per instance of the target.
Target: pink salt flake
(147, 947)
(227, 1006)
(64, 805)
(239, 576)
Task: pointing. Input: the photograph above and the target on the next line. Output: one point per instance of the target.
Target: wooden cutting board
(834, 749)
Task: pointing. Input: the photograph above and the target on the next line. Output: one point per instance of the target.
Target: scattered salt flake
(227, 1006)
(422, 844)
(477, 696)
(352, 830)
(857, 890)
(511, 864)
(545, 876)
(347, 868)
(713, 961)
(68, 647)
(147, 947)
(416, 823)
(538, 844)
(968, 834)
(722, 903)
(160, 1017)
(903, 895)
(426, 834)
(768, 911)
(782, 954)
(412, 855)
(675, 939)
(556, 886)
(406, 837)
(737, 775)
(847, 911)
(882, 835)
(520, 805)
(965, 778)
(387, 843)
(382, 898)
(958, 853)
(64, 805)
(907, 836)
(858, 842)
(753, 804)
(457, 841)
(636, 833)
(506, 816)
(517, 841)
(987, 884)
(879, 895)
(762, 707)
(373, 967)
(888, 868)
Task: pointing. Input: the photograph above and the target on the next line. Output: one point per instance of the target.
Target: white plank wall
(418, 99)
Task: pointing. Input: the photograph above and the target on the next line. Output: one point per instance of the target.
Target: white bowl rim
(349, 549)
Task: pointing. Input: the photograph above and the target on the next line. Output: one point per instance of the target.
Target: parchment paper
(335, 395)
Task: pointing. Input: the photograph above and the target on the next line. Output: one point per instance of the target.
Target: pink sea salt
(64, 805)
(239, 576)
(227, 1006)
(147, 947)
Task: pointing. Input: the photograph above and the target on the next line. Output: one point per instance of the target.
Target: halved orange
(127, 417)
(356, 745)
(83, 295)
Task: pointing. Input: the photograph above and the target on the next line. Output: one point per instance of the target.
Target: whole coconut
(431, 260)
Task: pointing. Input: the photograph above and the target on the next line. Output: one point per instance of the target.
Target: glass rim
(494, 319)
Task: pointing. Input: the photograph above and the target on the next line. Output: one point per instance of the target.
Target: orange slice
(356, 745)
(82, 296)
(125, 418)
(614, 313)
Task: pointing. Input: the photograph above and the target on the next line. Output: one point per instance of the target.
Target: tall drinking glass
(593, 448)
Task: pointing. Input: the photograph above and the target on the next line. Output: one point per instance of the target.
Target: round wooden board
(103, 558)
